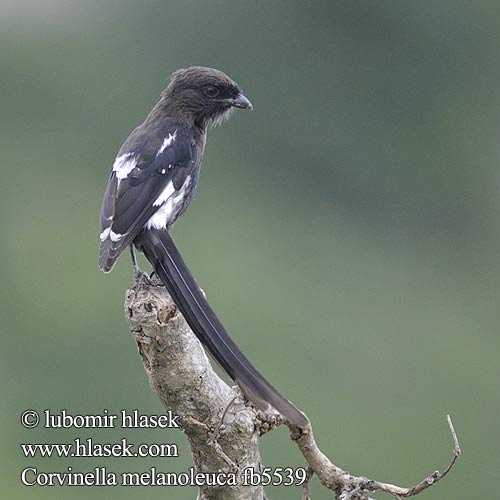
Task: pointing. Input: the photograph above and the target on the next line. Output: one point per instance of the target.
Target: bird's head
(203, 96)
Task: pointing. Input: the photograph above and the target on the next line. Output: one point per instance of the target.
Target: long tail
(160, 250)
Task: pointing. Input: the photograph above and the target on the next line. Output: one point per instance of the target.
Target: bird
(153, 180)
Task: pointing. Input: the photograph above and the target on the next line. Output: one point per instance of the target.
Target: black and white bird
(152, 182)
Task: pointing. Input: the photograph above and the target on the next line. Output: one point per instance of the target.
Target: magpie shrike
(152, 182)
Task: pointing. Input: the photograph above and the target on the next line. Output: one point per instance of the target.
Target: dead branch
(224, 433)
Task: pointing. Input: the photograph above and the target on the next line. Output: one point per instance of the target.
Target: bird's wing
(148, 169)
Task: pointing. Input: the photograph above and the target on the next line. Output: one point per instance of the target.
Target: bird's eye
(211, 91)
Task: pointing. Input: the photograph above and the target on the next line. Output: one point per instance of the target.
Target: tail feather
(160, 250)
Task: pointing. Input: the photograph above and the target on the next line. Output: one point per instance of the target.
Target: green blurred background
(347, 231)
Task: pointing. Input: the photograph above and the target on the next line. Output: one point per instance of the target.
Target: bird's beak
(240, 101)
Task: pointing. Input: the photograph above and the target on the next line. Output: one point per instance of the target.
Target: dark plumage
(202, 96)
(153, 180)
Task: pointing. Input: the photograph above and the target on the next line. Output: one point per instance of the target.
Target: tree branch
(222, 432)
(181, 376)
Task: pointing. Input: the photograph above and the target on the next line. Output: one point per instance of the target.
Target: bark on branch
(222, 431)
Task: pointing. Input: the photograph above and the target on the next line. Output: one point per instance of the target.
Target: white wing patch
(108, 233)
(123, 165)
(164, 195)
(167, 142)
(171, 203)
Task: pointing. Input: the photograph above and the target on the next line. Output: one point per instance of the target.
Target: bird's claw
(141, 276)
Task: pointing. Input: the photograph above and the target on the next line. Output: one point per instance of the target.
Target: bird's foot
(142, 277)
(155, 278)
